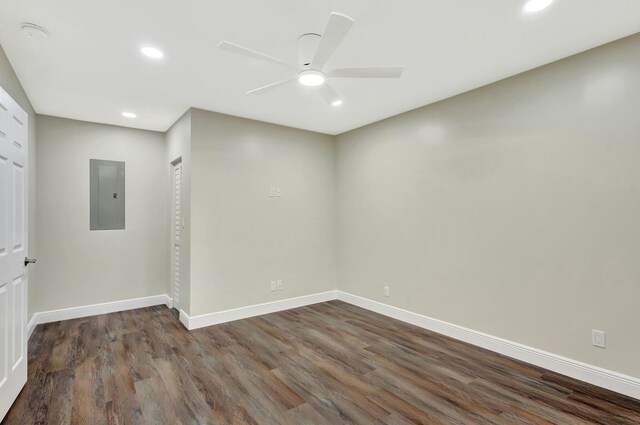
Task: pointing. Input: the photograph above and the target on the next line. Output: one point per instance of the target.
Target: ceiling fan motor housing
(307, 47)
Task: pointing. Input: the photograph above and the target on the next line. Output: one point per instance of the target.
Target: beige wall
(10, 83)
(79, 267)
(512, 210)
(242, 238)
(179, 147)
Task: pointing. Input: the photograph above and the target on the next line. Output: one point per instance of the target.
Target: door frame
(175, 163)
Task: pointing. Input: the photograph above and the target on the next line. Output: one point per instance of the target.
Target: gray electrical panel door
(106, 194)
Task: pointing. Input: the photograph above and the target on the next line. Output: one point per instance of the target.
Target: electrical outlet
(278, 191)
(598, 339)
(273, 285)
(280, 285)
(386, 291)
(272, 191)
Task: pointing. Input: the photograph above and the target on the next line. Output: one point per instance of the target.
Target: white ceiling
(91, 69)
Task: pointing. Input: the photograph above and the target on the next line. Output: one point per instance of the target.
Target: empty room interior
(316, 212)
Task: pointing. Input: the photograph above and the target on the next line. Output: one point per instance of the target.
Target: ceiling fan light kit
(314, 50)
(311, 78)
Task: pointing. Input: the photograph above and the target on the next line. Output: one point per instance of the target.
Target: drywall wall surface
(511, 210)
(10, 83)
(77, 266)
(243, 238)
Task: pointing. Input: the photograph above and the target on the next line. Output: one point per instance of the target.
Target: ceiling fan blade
(378, 72)
(330, 95)
(337, 27)
(271, 86)
(231, 47)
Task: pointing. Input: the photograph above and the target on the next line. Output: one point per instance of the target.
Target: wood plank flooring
(330, 363)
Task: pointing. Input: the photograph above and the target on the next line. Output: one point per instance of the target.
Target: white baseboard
(32, 325)
(200, 321)
(96, 309)
(168, 301)
(600, 377)
(184, 318)
(604, 378)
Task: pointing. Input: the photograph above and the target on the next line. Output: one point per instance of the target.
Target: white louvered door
(176, 231)
(13, 250)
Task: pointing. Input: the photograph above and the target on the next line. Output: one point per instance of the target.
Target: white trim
(31, 326)
(600, 377)
(184, 318)
(96, 309)
(168, 301)
(200, 321)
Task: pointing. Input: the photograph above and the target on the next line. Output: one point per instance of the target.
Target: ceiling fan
(314, 50)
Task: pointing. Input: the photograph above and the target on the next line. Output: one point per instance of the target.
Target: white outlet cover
(272, 191)
(273, 285)
(280, 284)
(598, 339)
(278, 191)
(386, 291)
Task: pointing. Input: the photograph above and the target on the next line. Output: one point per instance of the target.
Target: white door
(13, 249)
(176, 232)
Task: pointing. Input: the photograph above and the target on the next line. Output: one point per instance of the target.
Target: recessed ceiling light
(336, 102)
(533, 6)
(34, 31)
(311, 78)
(152, 52)
(129, 115)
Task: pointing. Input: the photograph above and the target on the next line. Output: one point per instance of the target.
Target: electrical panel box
(106, 195)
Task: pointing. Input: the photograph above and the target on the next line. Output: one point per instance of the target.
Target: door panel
(19, 316)
(4, 334)
(18, 208)
(13, 249)
(4, 230)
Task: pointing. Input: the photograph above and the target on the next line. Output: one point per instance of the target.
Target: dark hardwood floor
(330, 363)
